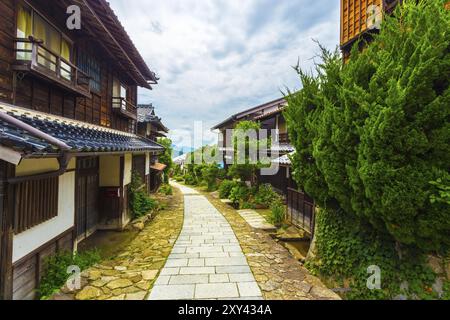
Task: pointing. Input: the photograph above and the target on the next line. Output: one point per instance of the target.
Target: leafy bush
(442, 194)
(178, 178)
(225, 188)
(210, 175)
(55, 267)
(242, 195)
(347, 247)
(190, 179)
(166, 189)
(265, 195)
(370, 135)
(278, 211)
(140, 203)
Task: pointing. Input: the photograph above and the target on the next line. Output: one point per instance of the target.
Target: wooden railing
(32, 54)
(124, 107)
(301, 210)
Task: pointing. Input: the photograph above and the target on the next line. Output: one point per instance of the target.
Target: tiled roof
(283, 147)
(251, 113)
(146, 113)
(80, 136)
(283, 160)
(269, 114)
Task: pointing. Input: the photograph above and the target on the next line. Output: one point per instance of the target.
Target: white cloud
(217, 57)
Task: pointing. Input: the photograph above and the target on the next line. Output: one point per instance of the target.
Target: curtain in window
(116, 93)
(51, 40)
(123, 92)
(24, 30)
(116, 88)
(66, 70)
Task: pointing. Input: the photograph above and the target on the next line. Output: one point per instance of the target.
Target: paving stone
(197, 270)
(241, 277)
(162, 280)
(184, 255)
(216, 290)
(119, 283)
(249, 289)
(214, 255)
(196, 263)
(219, 278)
(138, 296)
(149, 274)
(189, 279)
(171, 263)
(172, 292)
(170, 271)
(233, 269)
(88, 293)
(230, 261)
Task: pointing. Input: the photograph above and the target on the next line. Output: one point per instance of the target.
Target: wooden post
(6, 231)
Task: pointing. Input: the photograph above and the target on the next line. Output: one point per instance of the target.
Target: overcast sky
(218, 57)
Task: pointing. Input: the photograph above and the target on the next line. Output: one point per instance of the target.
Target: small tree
(210, 174)
(166, 157)
(246, 164)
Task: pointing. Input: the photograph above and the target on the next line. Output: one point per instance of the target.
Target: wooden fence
(301, 210)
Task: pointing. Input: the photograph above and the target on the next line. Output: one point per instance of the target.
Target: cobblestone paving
(206, 261)
(277, 273)
(131, 274)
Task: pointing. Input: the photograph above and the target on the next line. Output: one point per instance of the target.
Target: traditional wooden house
(300, 207)
(151, 127)
(360, 19)
(270, 116)
(68, 132)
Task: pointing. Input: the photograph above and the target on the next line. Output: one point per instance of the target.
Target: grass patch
(56, 267)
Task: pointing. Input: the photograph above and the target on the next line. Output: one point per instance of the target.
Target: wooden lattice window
(36, 202)
(139, 166)
(92, 68)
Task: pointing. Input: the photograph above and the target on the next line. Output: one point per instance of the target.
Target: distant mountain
(179, 150)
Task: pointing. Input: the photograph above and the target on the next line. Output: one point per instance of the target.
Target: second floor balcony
(125, 108)
(34, 57)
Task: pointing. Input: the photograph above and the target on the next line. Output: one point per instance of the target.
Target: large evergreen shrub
(373, 136)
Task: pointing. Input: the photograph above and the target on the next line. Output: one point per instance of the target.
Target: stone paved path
(255, 220)
(131, 274)
(278, 274)
(207, 261)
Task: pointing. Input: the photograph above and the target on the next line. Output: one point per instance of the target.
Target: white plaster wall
(147, 164)
(110, 171)
(127, 168)
(34, 238)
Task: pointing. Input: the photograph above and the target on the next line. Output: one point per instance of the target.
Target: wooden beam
(10, 155)
(6, 231)
(140, 81)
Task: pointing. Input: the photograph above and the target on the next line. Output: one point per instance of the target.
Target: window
(139, 166)
(24, 30)
(119, 94)
(36, 203)
(30, 23)
(91, 67)
(119, 90)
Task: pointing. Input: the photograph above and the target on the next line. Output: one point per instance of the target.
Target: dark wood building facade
(68, 138)
(360, 19)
